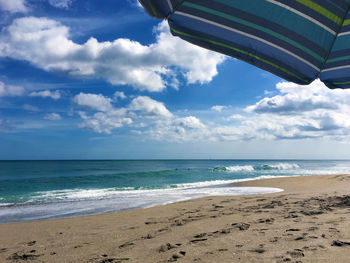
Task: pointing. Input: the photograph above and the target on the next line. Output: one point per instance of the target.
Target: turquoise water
(48, 189)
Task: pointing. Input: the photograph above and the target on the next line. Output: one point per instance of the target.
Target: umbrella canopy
(299, 40)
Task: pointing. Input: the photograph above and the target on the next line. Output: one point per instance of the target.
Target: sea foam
(251, 168)
(86, 202)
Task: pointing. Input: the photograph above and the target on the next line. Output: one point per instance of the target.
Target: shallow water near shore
(31, 190)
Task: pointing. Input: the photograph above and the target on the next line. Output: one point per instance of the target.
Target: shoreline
(306, 222)
(197, 190)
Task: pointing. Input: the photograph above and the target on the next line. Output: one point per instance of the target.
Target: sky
(92, 79)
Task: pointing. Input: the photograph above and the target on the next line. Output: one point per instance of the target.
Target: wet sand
(308, 222)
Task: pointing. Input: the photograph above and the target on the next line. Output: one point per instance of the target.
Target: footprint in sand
(297, 253)
(217, 206)
(332, 229)
(166, 247)
(176, 256)
(200, 235)
(198, 240)
(127, 244)
(258, 250)
(241, 226)
(22, 256)
(148, 236)
(275, 239)
(266, 220)
(292, 229)
(225, 231)
(116, 260)
(339, 243)
(303, 237)
(31, 243)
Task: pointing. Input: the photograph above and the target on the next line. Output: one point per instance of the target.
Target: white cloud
(53, 117)
(93, 101)
(280, 120)
(179, 129)
(190, 122)
(149, 107)
(29, 107)
(46, 94)
(106, 119)
(104, 122)
(10, 91)
(119, 95)
(297, 112)
(14, 6)
(268, 92)
(61, 3)
(142, 113)
(295, 98)
(235, 117)
(46, 44)
(218, 108)
(200, 65)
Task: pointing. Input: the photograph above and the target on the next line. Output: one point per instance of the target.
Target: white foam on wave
(91, 194)
(77, 202)
(6, 204)
(240, 168)
(73, 194)
(284, 166)
(252, 168)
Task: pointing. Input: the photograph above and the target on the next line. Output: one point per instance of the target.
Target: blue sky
(101, 79)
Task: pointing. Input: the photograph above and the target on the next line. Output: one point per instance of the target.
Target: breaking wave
(250, 168)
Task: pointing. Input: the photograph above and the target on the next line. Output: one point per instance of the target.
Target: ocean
(32, 190)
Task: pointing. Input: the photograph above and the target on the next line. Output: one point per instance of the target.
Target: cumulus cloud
(143, 113)
(46, 44)
(327, 116)
(218, 108)
(179, 129)
(189, 122)
(235, 117)
(295, 98)
(10, 91)
(14, 6)
(61, 3)
(297, 112)
(105, 118)
(104, 122)
(53, 117)
(149, 107)
(46, 94)
(93, 101)
(119, 95)
(16, 91)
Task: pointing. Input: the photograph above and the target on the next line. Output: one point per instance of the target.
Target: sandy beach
(308, 222)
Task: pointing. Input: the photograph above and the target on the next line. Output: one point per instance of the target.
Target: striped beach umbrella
(298, 40)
